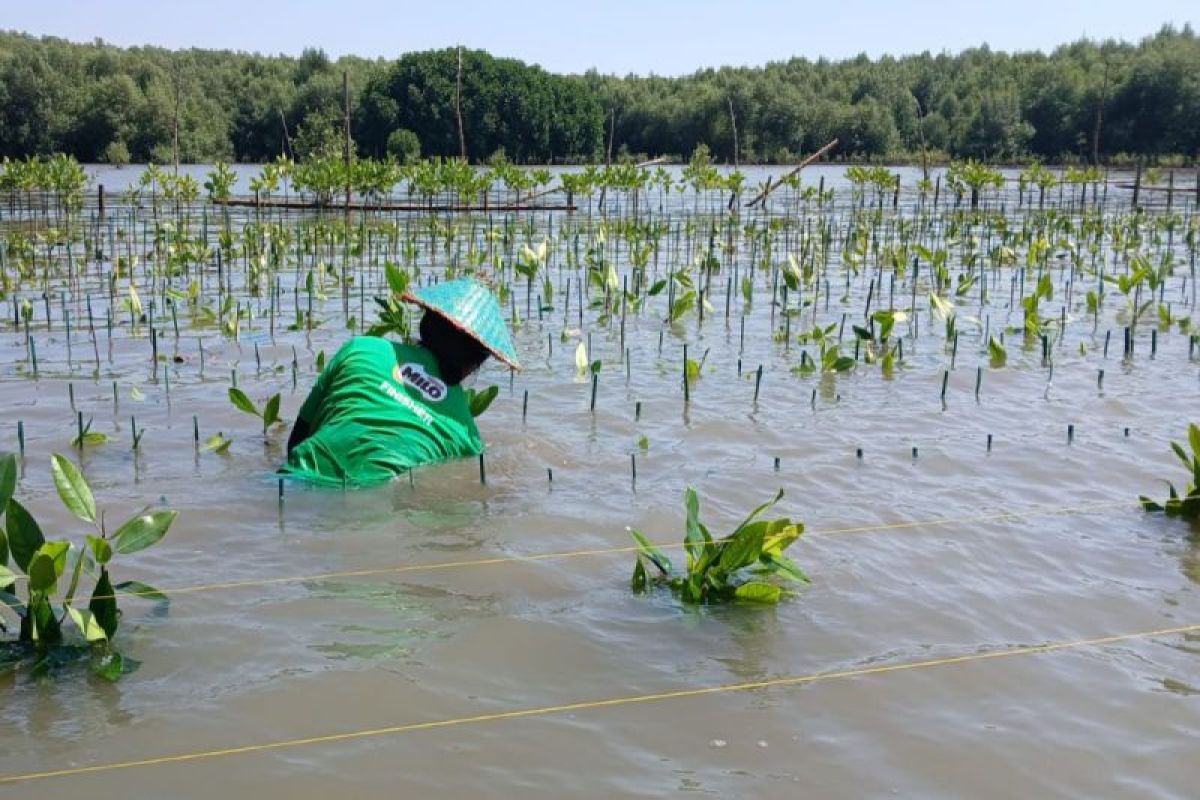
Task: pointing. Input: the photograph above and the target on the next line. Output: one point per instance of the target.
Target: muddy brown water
(330, 654)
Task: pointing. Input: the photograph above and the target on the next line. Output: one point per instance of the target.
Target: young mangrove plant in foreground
(732, 568)
(1187, 506)
(43, 614)
(269, 413)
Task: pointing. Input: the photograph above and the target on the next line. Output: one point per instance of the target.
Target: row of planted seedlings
(314, 253)
(805, 275)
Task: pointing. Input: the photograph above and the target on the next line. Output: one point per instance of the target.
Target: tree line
(1087, 102)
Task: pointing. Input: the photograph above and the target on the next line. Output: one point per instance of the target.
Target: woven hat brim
(499, 356)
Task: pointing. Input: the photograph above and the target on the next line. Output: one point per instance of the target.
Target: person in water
(380, 408)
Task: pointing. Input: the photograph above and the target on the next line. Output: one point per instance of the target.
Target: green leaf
(1183, 456)
(3, 549)
(1194, 438)
(780, 535)
(758, 592)
(139, 589)
(643, 443)
(242, 402)
(42, 575)
(996, 352)
(741, 549)
(112, 665)
(24, 535)
(103, 605)
(843, 364)
(217, 443)
(683, 304)
(87, 624)
(693, 538)
(271, 411)
(101, 549)
(7, 576)
(638, 581)
(142, 531)
(73, 488)
(45, 625)
(90, 439)
(8, 478)
(658, 286)
(782, 565)
(656, 556)
(397, 279)
(478, 402)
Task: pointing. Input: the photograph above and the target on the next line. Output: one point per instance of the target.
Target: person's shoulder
(367, 344)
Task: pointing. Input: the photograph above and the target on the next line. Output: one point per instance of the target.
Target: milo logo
(414, 375)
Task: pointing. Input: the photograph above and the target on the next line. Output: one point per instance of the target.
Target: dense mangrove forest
(1109, 102)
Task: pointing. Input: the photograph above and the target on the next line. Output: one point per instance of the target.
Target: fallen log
(770, 188)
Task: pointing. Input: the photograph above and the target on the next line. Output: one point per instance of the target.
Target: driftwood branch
(770, 188)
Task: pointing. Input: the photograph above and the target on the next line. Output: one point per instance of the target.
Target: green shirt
(378, 409)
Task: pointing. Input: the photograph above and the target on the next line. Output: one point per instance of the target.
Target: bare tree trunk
(346, 136)
(612, 127)
(287, 138)
(175, 128)
(1099, 119)
(462, 139)
(733, 125)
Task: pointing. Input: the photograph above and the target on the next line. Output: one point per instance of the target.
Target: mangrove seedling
(269, 413)
(43, 614)
(732, 568)
(1187, 506)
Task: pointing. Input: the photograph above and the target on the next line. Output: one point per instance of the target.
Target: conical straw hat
(472, 308)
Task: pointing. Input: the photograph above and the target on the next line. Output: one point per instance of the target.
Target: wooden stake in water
(1100, 380)
(281, 491)
(637, 411)
(21, 437)
(595, 382)
(978, 380)
(757, 382)
(633, 467)
(1070, 433)
(71, 394)
(79, 425)
(989, 443)
(482, 470)
(686, 388)
(945, 381)
(525, 406)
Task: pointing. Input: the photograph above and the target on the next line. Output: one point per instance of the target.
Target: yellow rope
(200, 755)
(536, 557)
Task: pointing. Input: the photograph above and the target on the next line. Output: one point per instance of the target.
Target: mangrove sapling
(1186, 506)
(45, 563)
(269, 413)
(731, 568)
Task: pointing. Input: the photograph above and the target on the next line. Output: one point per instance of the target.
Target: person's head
(458, 354)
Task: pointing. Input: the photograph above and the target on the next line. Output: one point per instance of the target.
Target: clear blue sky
(667, 37)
